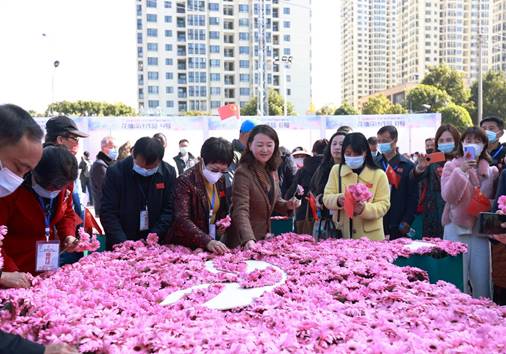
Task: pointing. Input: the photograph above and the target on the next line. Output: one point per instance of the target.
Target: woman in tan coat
(256, 193)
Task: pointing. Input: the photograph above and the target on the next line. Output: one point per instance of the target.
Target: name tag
(47, 256)
(144, 220)
(212, 231)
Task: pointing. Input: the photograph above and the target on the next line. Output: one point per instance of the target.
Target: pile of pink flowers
(340, 296)
(360, 192)
(86, 243)
(501, 203)
(260, 278)
(152, 239)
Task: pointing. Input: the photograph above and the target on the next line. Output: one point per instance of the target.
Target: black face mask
(429, 151)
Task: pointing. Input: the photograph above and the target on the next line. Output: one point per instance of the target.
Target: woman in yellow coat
(358, 167)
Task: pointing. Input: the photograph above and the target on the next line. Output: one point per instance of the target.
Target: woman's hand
(249, 245)
(70, 243)
(468, 164)
(16, 280)
(217, 247)
(293, 204)
(359, 208)
(60, 349)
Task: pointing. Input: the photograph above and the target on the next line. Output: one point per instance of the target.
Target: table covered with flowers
(339, 296)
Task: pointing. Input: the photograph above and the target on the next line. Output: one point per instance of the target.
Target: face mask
(478, 148)
(44, 193)
(446, 148)
(354, 162)
(492, 136)
(429, 151)
(212, 177)
(113, 154)
(299, 162)
(9, 181)
(183, 150)
(144, 172)
(385, 148)
(374, 153)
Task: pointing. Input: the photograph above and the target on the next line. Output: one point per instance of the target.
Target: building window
(243, 36)
(228, 10)
(152, 75)
(139, 38)
(151, 18)
(168, 33)
(169, 76)
(214, 6)
(215, 104)
(152, 61)
(286, 38)
(214, 49)
(139, 24)
(243, 8)
(151, 3)
(167, 4)
(152, 47)
(168, 47)
(244, 64)
(168, 19)
(169, 90)
(153, 90)
(244, 22)
(214, 77)
(152, 32)
(169, 61)
(214, 21)
(243, 50)
(153, 103)
(170, 104)
(287, 51)
(244, 91)
(214, 35)
(215, 91)
(214, 63)
(286, 11)
(244, 77)
(286, 24)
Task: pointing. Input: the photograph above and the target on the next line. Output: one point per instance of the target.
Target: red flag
(91, 223)
(312, 204)
(393, 178)
(349, 204)
(228, 111)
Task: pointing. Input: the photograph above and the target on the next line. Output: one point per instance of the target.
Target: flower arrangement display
(340, 296)
(152, 239)
(85, 242)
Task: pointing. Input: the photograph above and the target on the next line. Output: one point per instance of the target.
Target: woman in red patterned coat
(200, 199)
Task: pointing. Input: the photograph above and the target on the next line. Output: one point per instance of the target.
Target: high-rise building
(498, 38)
(416, 35)
(197, 55)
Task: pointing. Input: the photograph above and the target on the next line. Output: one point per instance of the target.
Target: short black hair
(429, 139)
(56, 168)
(358, 143)
(151, 149)
(319, 146)
(217, 150)
(494, 119)
(183, 141)
(162, 138)
(372, 140)
(15, 123)
(391, 130)
(344, 129)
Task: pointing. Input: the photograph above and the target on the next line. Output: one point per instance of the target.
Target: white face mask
(44, 193)
(9, 181)
(354, 162)
(478, 149)
(183, 150)
(299, 162)
(211, 177)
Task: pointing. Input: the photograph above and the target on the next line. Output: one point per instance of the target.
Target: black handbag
(325, 228)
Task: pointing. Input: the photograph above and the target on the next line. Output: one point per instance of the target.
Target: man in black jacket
(137, 195)
(403, 188)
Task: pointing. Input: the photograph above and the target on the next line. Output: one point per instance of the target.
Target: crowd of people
(135, 192)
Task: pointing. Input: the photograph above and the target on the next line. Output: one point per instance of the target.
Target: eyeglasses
(73, 138)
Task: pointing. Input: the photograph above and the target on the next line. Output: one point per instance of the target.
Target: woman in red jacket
(40, 211)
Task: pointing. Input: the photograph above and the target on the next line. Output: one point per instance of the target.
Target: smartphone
(469, 153)
(490, 224)
(436, 157)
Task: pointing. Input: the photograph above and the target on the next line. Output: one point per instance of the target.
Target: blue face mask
(385, 148)
(144, 172)
(492, 136)
(354, 162)
(113, 154)
(44, 193)
(446, 148)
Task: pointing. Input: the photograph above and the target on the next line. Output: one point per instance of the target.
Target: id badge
(144, 221)
(212, 231)
(47, 256)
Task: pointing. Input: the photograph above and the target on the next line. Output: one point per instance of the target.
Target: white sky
(95, 42)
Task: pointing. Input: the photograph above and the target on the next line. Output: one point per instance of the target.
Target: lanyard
(143, 193)
(497, 152)
(47, 216)
(385, 166)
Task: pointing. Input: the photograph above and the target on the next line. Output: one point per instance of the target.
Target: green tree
(326, 110)
(427, 95)
(89, 108)
(449, 80)
(456, 115)
(494, 95)
(380, 104)
(276, 104)
(346, 109)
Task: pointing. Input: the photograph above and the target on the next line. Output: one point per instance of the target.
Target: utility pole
(262, 52)
(480, 68)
